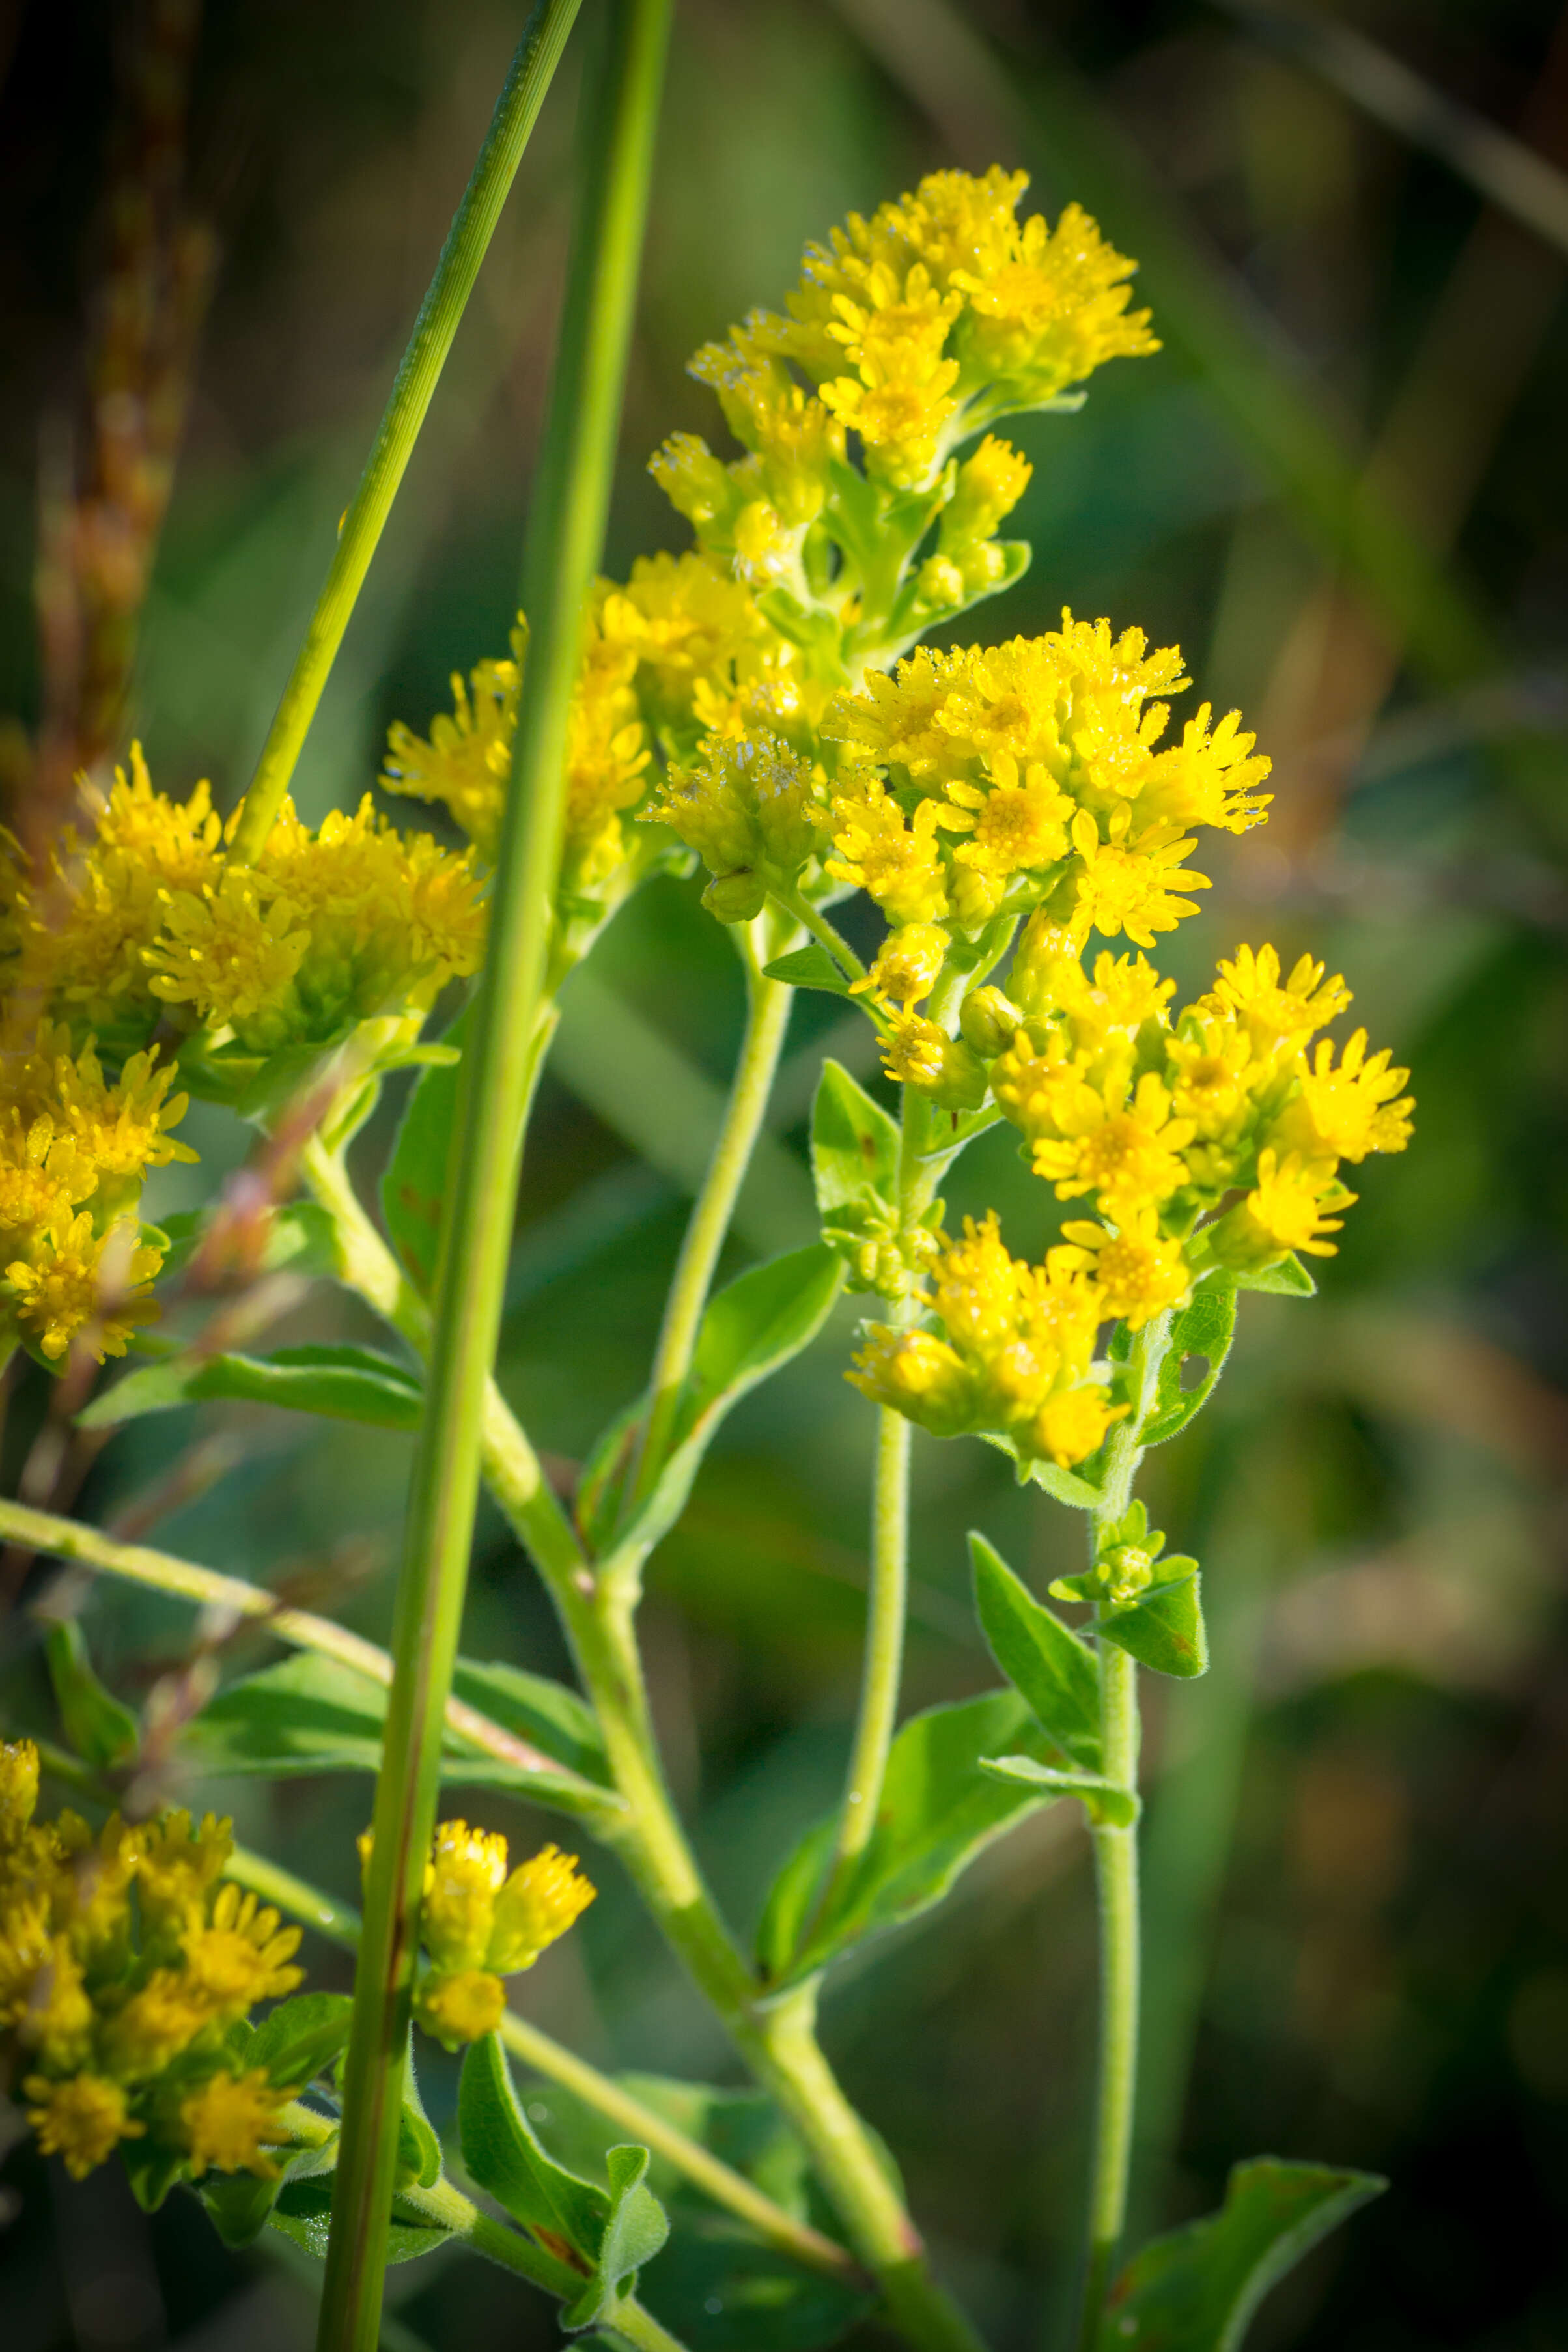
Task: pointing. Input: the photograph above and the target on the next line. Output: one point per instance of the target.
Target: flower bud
(735, 897)
(940, 583)
(989, 1021)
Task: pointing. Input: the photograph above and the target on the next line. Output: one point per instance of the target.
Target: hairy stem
(1116, 1876)
(566, 526)
(882, 1673)
(768, 1005)
(529, 77)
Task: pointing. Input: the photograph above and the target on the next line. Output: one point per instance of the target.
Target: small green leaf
(636, 2229)
(506, 2161)
(853, 1151)
(152, 2170)
(1040, 1656)
(1105, 1801)
(1163, 1628)
(238, 2205)
(418, 2149)
(414, 1184)
(102, 1732)
(750, 1330)
(343, 1383)
(1289, 1277)
(808, 967)
(1202, 1329)
(938, 1811)
(312, 1714)
(1196, 2290)
(301, 2038)
(304, 2213)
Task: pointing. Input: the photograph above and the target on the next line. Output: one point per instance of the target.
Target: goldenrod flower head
(893, 858)
(460, 2007)
(744, 806)
(159, 2023)
(231, 955)
(467, 759)
(239, 1957)
(1276, 1018)
(83, 2119)
(78, 1283)
(907, 965)
(1290, 1209)
(231, 2121)
(464, 1875)
(178, 1869)
(1347, 1112)
(542, 1899)
(991, 481)
(53, 2017)
(18, 1790)
(1126, 1151)
(916, 1374)
(1138, 1272)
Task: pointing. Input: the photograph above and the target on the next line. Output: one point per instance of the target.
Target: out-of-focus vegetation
(1358, 1898)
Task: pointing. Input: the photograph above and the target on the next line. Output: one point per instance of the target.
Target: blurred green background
(1340, 489)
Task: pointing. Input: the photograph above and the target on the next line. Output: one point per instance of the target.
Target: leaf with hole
(938, 1811)
(1103, 1801)
(1197, 2289)
(1040, 1656)
(1202, 1332)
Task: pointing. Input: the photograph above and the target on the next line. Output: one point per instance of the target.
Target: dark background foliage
(1358, 1918)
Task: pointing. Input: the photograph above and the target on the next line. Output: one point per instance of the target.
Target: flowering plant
(1021, 817)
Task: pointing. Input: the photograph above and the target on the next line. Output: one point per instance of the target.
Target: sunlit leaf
(1202, 1330)
(1163, 1628)
(1289, 1277)
(808, 967)
(1105, 1801)
(301, 2037)
(1040, 1656)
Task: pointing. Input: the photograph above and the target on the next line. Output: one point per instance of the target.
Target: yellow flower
(468, 757)
(461, 2007)
(991, 481)
(178, 1869)
(54, 2015)
(1276, 1018)
(1127, 1154)
(82, 2119)
(896, 862)
(914, 1050)
(743, 806)
(906, 967)
(1019, 824)
(18, 1790)
(464, 1875)
(159, 2021)
(79, 1284)
(1130, 883)
(1285, 1210)
(1052, 307)
(1138, 1272)
(241, 1957)
(231, 955)
(540, 1900)
(230, 2121)
(916, 1374)
(1209, 779)
(1212, 1075)
(1343, 1114)
(1072, 1425)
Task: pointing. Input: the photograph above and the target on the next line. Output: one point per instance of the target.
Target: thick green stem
(529, 77)
(768, 1005)
(565, 532)
(1116, 1874)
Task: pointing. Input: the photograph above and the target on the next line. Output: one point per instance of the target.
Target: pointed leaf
(414, 1184)
(808, 967)
(1163, 1628)
(1203, 1330)
(1289, 1277)
(101, 1731)
(1040, 1656)
(418, 2149)
(1105, 1801)
(506, 2161)
(548, 1715)
(300, 2038)
(854, 1150)
(938, 1811)
(1196, 2290)
(341, 1382)
(636, 2227)
(312, 1714)
(304, 2214)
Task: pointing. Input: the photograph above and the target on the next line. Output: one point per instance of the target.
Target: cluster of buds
(479, 1924)
(127, 1962)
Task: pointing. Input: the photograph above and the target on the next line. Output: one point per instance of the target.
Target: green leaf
(1202, 1329)
(636, 2229)
(302, 1237)
(506, 2161)
(808, 967)
(546, 1713)
(1163, 1628)
(749, 1331)
(312, 1714)
(938, 1811)
(100, 1730)
(152, 2170)
(1104, 1801)
(343, 1383)
(414, 1182)
(304, 2213)
(1067, 1487)
(418, 2149)
(1040, 1656)
(1196, 2290)
(238, 2205)
(854, 1148)
(1289, 1277)
(300, 2038)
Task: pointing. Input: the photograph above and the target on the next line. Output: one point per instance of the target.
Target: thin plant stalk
(768, 1005)
(517, 109)
(882, 1673)
(1115, 1849)
(339, 1924)
(565, 534)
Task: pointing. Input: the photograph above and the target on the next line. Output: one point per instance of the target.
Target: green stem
(795, 903)
(768, 1005)
(565, 532)
(529, 77)
(882, 1671)
(339, 1922)
(1116, 1874)
(182, 1580)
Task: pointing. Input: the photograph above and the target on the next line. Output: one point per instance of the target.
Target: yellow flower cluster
(126, 1962)
(1013, 1356)
(480, 1924)
(74, 1148)
(152, 921)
